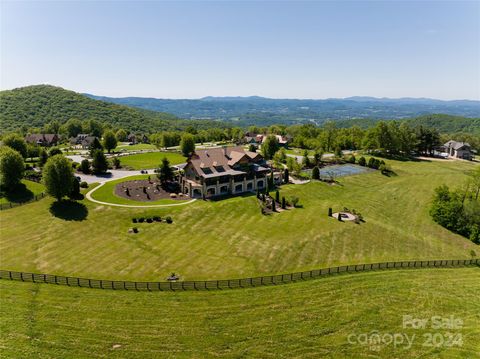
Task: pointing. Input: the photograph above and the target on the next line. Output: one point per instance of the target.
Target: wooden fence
(16, 204)
(228, 283)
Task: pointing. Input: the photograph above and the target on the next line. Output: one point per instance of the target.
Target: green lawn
(139, 146)
(106, 193)
(231, 238)
(150, 160)
(315, 319)
(23, 193)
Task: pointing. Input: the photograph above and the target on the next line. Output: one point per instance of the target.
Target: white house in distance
(458, 150)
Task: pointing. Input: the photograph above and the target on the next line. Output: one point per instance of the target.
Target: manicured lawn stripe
(231, 238)
(307, 319)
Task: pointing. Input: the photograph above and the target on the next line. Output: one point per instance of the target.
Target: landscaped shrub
(294, 200)
(33, 175)
(141, 220)
(149, 220)
(285, 175)
(116, 162)
(157, 218)
(85, 166)
(376, 164)
(168, 219)
(284, 203)
(135, 230)
(277, 196)
(55, 151)
(351, 159)
(83, 184)
(330, 212)
(134, 220)
(75, 165)
(315, 173)
(371, 162)
(362, 161)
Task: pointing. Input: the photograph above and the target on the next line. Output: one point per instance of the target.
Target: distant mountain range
(35, 106)
(247, 110)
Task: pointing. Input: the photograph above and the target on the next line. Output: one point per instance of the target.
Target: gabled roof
(456, 145)
(216, 162)
(42, 137)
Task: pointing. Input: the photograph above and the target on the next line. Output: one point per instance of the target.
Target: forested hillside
(35, 106)
(443, 123)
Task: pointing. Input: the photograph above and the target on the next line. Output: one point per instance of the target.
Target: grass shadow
(69, 210)
(19, 194)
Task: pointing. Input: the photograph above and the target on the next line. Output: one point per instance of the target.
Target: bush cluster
(168, 219)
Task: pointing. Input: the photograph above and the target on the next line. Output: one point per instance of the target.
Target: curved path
(89, 197)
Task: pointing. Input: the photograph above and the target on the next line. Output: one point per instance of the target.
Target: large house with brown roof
(43, 139)
(223, 171)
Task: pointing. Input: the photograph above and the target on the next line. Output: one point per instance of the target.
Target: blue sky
(282, 49)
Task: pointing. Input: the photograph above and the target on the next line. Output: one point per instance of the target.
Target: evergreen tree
(85, 166)
(165, 172)
(99, 162)
(285, 175)
(95, 145)
(277, 196)
(306, 159)
(284, 203)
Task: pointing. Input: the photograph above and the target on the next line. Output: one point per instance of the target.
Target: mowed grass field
(106, 193)
(27, 190)
(123, 147)
(151, 160)
(231, 238)
(322, 318)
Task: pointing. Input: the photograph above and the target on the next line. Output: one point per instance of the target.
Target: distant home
(43, 139)
(222, 171)
(82, 140)
(458, 150)
(257, 139)
(134, 139)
